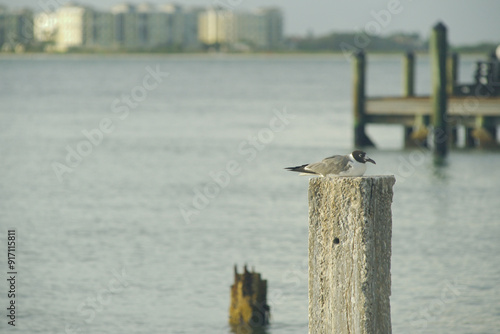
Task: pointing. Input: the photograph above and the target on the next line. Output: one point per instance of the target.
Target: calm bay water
(124, 243)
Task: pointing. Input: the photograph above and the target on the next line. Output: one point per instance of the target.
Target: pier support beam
(408, 87)
(469, 139)
(454, 136)
(439, 47)
(452, 73)
(408, 141)
(485, 132)
(350, 227)
(451, 83)
(416, 135)
(409, 74)
(359, 97)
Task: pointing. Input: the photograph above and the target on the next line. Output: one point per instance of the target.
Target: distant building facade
(261, 29)
(142, 27)
(71, 24)
(191, 22)
(45, 27)
(273, 27)
(16, 29)
(128, 27)
(215, 25)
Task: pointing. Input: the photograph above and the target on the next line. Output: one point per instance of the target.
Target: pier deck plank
(403, 110)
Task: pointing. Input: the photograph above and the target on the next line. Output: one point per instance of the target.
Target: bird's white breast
(356, 169)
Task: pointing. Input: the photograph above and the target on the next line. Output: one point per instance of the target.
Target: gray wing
(331, 165)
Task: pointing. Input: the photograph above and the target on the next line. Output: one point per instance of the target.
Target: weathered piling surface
(350, 227)
(248, 308)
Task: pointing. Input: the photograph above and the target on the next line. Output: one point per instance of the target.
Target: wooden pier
(407, 111)
(433, 119)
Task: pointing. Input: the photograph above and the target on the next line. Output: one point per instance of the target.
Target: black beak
(370, 160)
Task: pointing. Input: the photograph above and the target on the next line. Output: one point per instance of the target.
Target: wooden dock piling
(409, 74)
(439, 49)
(360, 137)
(451, 84)
(415, 135)
(408, 87)
(248, 308)
(350, 227)
(452, 73)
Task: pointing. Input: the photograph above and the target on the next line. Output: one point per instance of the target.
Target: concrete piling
(350, 228)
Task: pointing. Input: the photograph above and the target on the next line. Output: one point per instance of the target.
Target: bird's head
(362, 157)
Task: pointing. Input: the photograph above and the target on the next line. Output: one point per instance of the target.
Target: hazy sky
(468, 21)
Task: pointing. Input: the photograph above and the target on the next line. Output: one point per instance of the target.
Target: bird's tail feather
(300, 169)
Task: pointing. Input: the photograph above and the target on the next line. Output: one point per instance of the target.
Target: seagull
(353, 164)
